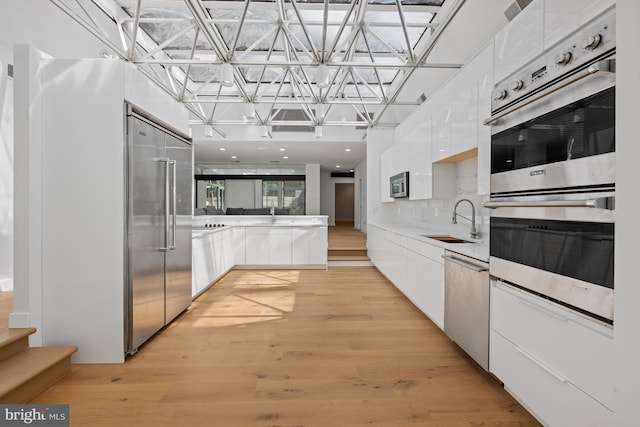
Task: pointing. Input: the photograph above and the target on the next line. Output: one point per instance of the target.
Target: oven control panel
(565, 58)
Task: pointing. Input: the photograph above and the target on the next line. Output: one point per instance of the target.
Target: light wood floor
(343, 235)
(339, 347)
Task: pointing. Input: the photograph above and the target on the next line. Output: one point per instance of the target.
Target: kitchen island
(225, 242)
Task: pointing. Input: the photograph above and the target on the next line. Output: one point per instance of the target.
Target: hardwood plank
(321, 348)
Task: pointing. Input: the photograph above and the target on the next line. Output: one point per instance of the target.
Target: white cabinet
(426, 179)
(558, 363)
(212, 256)
(257, 246)
(563, 17)
(238, 238)
(425, 271)
(284, 246)
(309, 246)
(483, 64)
(400, 157)
(415, 268)
(268, 246)
(280, 246)
(420, 176)
(464, 111)
(520, 41)
(386, 164)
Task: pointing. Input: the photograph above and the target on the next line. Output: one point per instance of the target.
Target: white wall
(627, 291)
(6, 173)
(360, 209)
(312, 189)
(328, 195)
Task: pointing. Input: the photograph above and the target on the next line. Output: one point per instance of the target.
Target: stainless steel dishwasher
(466, 305)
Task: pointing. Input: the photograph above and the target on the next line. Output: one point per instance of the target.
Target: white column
(627, 290)
(27, 250)
(312, 189)
(6, 173)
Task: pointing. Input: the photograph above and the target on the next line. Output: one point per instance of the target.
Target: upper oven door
(572, 145)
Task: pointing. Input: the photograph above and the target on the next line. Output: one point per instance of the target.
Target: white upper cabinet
(563, 17)
(400, 161)
(521, 40)
(483, 63)
(420, 165)
(386, 163)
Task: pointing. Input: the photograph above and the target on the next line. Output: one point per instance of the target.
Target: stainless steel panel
(466, 305)
(145, 291)
(179, 263)
(563, 97)
(523, 207)
(592, 170)
(546, 69)
(577, 293)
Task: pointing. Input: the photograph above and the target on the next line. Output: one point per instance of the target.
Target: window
(284, 194)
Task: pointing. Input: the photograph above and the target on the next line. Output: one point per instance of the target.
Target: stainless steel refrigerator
(158, 239)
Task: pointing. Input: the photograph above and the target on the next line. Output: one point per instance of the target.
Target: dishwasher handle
(474, 267)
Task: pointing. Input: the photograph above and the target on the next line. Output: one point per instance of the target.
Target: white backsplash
(438, 212)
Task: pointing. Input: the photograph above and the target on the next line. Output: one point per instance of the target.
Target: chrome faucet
(454, 218)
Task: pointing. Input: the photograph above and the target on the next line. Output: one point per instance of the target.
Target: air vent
(291, 115)
(515, 8)
(342, 174)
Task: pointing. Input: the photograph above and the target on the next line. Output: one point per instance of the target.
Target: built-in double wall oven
(553, 173)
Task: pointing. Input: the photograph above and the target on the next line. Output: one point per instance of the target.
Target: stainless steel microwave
(399, 185)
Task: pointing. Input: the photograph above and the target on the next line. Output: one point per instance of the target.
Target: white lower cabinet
(415, 268)
(212, 256)
(238, 237)
(257, 246)
(425, 285)
(555, 362)
(308, 246)
(301, 246)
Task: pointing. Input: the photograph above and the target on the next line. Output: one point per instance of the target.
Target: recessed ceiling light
(234, 157)
(347, 149)
(285, 157)
(337, 166)
(441, 150)
(222, 149)
(282, 149)
(351, 170)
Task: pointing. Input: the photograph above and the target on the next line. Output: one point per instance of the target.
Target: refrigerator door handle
(172, 246)
(166, 203)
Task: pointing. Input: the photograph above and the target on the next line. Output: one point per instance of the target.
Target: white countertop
(479, 249)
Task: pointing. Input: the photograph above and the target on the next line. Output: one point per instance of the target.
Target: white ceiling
(423, 42)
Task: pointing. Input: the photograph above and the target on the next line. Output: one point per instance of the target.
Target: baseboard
(6, 284)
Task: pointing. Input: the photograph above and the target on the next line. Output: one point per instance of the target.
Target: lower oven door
(561, 248)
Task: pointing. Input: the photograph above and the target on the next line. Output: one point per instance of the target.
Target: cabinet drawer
(425, 249)
(577, 348)
(550, 397)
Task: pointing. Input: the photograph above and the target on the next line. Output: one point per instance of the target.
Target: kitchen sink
(447, 239)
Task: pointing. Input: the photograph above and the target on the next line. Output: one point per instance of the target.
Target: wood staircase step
(30, 371)
(14, 340)
(348, 258)
(347, 252)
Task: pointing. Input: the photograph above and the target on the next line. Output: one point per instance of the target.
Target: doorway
(344, 203)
